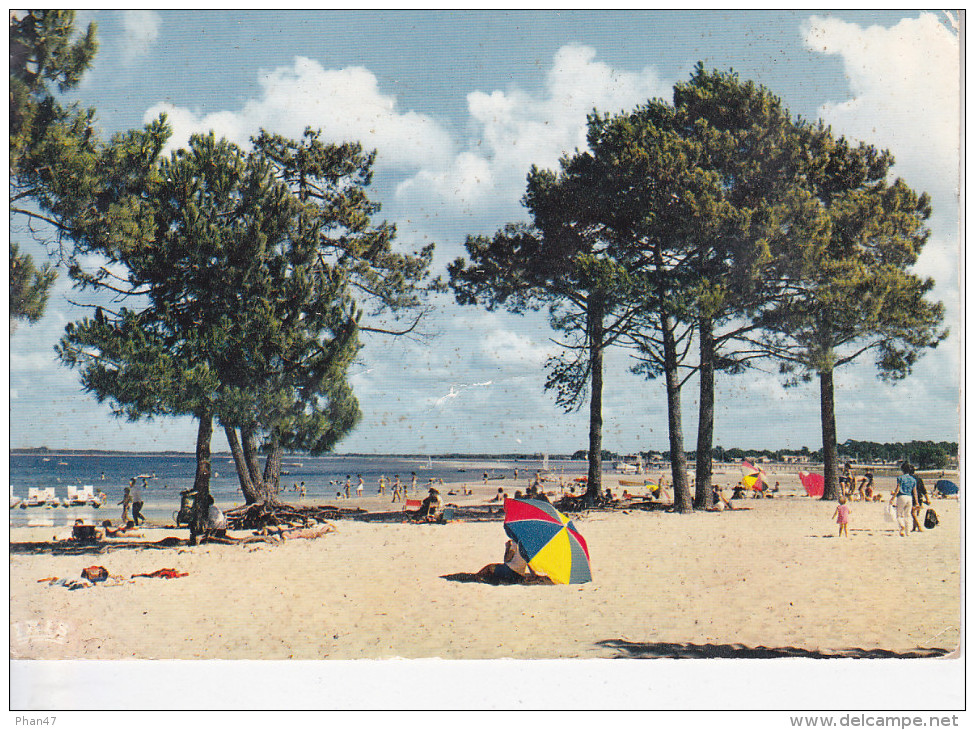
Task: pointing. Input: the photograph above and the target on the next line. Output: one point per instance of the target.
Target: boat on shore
(83, 496)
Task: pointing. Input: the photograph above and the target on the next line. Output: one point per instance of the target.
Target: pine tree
(51, 145)
(853, 291)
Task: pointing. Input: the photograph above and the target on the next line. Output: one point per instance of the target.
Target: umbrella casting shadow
(477, 578)
(673, 650)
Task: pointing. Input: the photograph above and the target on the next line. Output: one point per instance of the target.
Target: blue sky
(459, 105)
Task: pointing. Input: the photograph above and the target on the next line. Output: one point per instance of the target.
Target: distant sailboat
(544, 462)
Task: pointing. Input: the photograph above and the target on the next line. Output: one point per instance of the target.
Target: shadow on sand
(475, 578)
(68, 547)
(668, 650)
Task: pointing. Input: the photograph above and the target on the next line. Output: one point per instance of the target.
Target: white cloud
(906, 92)
(510, 348)
(141, 31)
(345, 103)
(518, 130)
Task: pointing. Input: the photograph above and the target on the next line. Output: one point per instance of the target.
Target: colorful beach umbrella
(754, 476)
(551, 542)
(814, 484)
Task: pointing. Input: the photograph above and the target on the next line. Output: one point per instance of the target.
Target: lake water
(322, 475)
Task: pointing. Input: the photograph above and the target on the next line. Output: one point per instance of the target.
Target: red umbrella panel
(551, 542)
(754, 476)
(814, 484)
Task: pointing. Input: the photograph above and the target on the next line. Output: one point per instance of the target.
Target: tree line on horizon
(925, 454)
(234, 284)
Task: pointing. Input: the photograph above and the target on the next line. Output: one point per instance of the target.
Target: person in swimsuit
(514, 569)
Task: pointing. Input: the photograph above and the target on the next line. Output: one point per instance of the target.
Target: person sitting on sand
(431, 507)
(124, 529)
(499, 496)
(720, 502)
(216, 521)
(865, 488)
(514, 569)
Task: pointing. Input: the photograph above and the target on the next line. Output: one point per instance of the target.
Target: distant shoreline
(46, 451)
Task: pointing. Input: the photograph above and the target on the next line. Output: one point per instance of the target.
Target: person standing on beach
(359, 486)
(382, 484)
(136, 492)
(919, 497)
(413, 482)
(126, 501)
(348, 485)
(903, 497)
(397, 491)
(842, 515)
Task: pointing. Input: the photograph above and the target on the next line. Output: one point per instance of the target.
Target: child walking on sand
(842, 515)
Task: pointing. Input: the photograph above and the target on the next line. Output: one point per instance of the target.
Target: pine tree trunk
(594, 483)
(705, 417)
(253, 462)
(828, 416)
(243, 475)
(678, 460)
(272, 472)
(201, 482)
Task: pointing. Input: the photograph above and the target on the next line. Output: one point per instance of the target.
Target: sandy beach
(769, 579)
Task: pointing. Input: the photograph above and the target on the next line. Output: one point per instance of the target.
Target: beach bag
(890, 513)
(930, 519)
(95, 573)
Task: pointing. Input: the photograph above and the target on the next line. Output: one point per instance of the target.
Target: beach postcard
(487, 360)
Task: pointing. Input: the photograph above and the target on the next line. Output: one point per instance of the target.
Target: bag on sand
(95, 573)
(890, 513)
(930, 519)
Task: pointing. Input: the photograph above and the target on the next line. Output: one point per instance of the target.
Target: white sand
(773, 576)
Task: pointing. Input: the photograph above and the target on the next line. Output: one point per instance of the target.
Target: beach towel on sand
(71, 585)
(161, 573)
